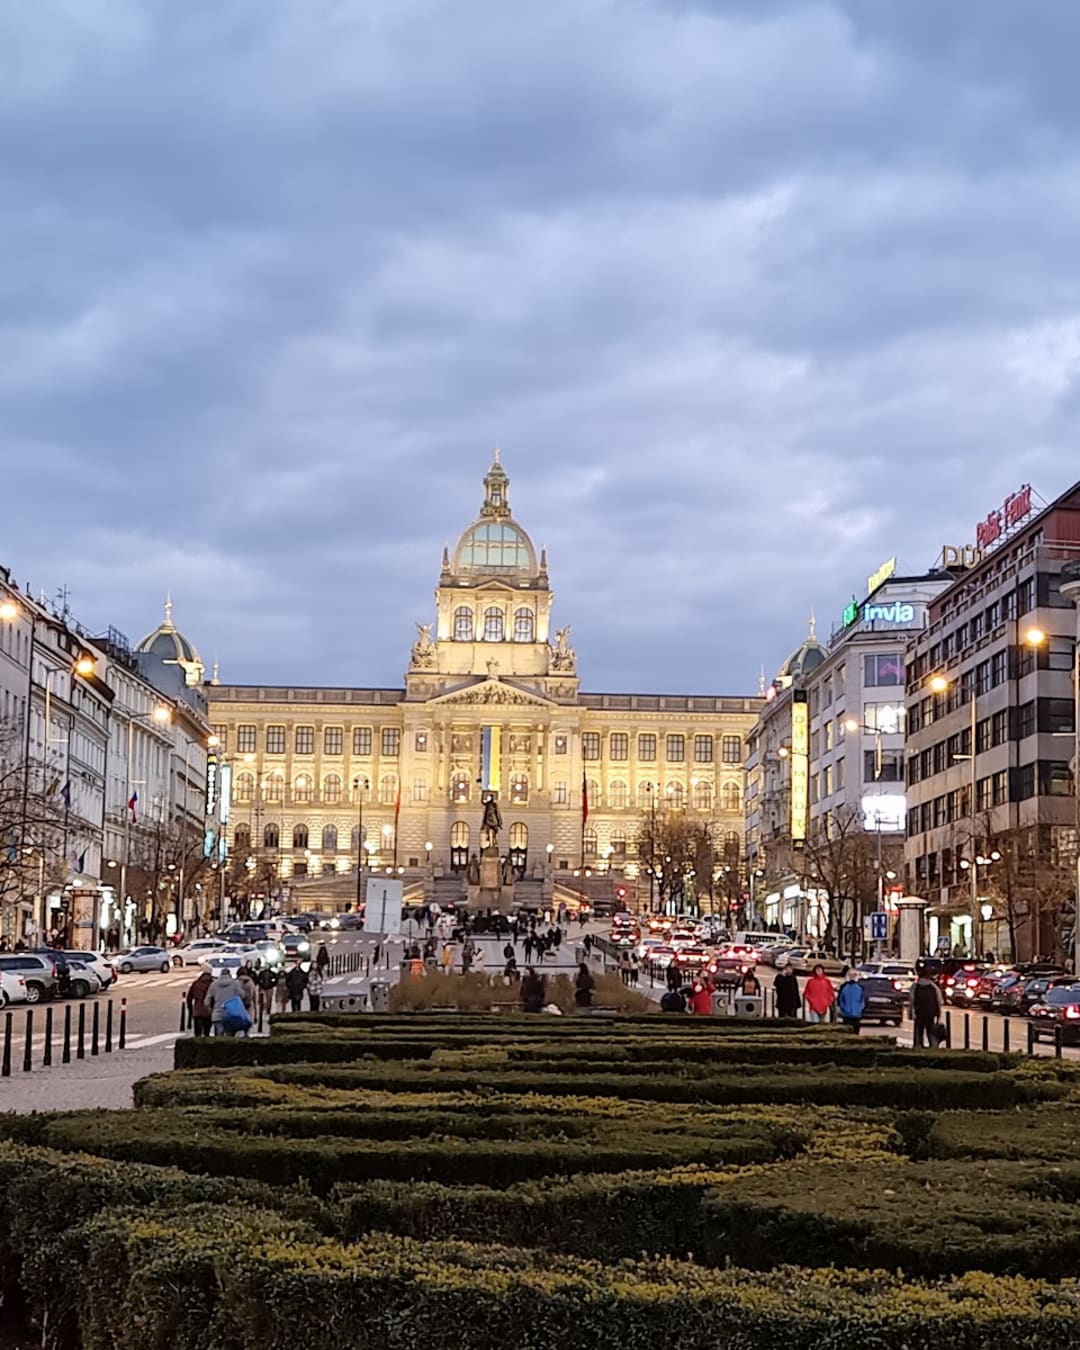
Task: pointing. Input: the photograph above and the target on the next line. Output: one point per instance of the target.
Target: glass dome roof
(495, 548)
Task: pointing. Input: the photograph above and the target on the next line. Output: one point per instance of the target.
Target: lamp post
(650, 788)
(360, 786)
(1070, 589)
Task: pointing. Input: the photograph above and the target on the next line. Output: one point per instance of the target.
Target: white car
(83, 979)
(102, 967)
(269, 953)
(194, 952)
(231, 960)
(12, 988)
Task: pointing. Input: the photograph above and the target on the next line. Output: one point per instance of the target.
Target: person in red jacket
(819, 996)
(701, 999)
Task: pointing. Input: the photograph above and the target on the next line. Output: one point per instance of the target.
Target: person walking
(246, 980)
(584, 985)
(266, 982)
(222, 989)
(851, 1001)
(701, 999)
(530, 945)
(533, 991)
(587, 943)
(926, 1009)
(674, 975)
(447, 958)
(819, 995)
(281, 992)
(315, 982)
(296, 982)
(786, 990)
(322, 960)
(468, 953)
(198, 1012)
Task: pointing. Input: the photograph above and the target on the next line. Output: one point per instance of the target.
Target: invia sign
(902, 613)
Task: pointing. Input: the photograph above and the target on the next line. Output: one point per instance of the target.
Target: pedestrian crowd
(229, 1005)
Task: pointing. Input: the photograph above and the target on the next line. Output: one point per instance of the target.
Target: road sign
(879, 926)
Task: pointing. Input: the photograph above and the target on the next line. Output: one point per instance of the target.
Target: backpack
(235, 1017)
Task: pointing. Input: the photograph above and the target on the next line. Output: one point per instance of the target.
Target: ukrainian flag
(491, 758)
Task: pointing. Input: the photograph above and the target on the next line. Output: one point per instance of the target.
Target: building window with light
(361, 741)
(524, 625)
(245, 739)
(300, 836)
(463, 624)
(271, 836)
(391, 742)
(333, 740)
(459, 787)
(329, 839)
(302, 788)
(619, 795)
(590, 745)
(646, 748)
(592, 789)
(305, 740)
(703, 749)
(589, 841)
(675, 795)
(419, 790)
(493, 624)
(731, 797)
(275, 740)
(619, 745)
(731, 749)
(332, 788)
(242, 840)
(561, 745)
(245, 787)
(702, 796)
(274, 788)
(421, 743)
(676, 749)
(387, 789)
(519, 789)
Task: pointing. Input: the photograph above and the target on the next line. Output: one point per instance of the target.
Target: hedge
(230, 1281)
(603, 1027)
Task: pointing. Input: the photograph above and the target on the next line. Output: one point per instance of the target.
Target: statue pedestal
(489, 892)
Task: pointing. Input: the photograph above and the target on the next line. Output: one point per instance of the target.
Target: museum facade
(491, 701)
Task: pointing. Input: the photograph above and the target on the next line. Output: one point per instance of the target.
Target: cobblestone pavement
(105, 1082)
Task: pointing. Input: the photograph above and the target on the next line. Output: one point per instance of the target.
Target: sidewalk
(104, 1083)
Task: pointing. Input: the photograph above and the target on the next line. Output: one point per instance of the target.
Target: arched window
(331, 788)
(592, 787)
(524, 625)
(590, 843)
(388, 789)
(274, 788)
(271, 837)
(732, 845)
(303, 788)
(519, 835)
(242, 839)
(244, 789)
(619, 795)
(300, 836)
(329, 838)
(646, 795)
(459, 834)
(618, 846)
(731, 797)
(519, 788)
(463, 621)
(459, 787)
(702, 796)
(675, 796)
(493, 624)
(354, 838)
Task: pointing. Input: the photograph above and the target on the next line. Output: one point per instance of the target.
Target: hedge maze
(478, 1180)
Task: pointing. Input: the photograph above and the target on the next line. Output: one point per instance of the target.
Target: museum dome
(807, 656)
(167, 643)
(495, 545)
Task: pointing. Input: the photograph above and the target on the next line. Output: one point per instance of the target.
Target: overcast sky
(752, 294)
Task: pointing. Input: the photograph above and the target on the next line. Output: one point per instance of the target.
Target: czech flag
(133, 802)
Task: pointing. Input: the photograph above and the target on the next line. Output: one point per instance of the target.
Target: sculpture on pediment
(423, 650)
(562, 654)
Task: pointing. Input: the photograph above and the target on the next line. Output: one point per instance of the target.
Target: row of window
(1044, 778)
(493, 624)
(333, 743)
(1044, 716)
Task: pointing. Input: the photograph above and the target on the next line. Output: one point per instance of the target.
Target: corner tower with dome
(491, 699)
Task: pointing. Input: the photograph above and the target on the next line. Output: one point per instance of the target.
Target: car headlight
(335, 923)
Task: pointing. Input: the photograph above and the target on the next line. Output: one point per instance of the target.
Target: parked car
(886, 999)
(1057, 1012)
(295, 946)
(12, 988)
(143, 959)
(102, 967)
(1001, 991)
(1020, 996)
(891, 970)
(83, 980)
(38, 974)
(194, 952)
(58, 961)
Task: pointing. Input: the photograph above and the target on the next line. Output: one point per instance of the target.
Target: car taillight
(972, 983)
(898, 984)
(1072, 1011)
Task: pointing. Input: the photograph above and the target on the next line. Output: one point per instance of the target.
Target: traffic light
(620, 892)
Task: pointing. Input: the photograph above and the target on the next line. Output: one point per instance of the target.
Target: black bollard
(1057, 1042)
(1005, 1034)
(948, 1031)
(123, 1023)
(967, 1031)
(259, 1025)
(108, 1027)
(65, 1054)
(28, 1046)
(46, 1059)
(5, 1063)
(986, 1032)
(183, 1015)
(1031, 1038)
(80, 1040)
(95, 1025)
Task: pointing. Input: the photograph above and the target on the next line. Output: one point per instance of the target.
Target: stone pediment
(489, 692)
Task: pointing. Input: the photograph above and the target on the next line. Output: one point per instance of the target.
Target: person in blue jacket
(851, 1001)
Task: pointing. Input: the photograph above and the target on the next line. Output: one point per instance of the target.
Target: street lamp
(360, 786)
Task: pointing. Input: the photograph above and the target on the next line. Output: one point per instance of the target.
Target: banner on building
(800, 767)
(490, 758)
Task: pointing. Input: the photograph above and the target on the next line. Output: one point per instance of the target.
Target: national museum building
(491, 700)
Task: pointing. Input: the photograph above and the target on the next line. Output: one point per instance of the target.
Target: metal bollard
(46, 1059)
(1005, 1034)
(5, 1063)
(259, 1025)
(967, 1031)
(28, 1045)
(94, 1029)
(1031, 1038)
(948, 1030)
(80, 1042)
(123, 1023)
(986, 1032)
(183, 1015)
(108, 1027)
(1057, 1042)
(65, 1054)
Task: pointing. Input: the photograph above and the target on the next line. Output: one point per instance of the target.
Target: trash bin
(749, 1005)
(380, 996)
(721, 1003)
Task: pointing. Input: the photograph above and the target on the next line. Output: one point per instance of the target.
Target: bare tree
(1029, 876)
(678, 848)
(31, 830)
(841, 858)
